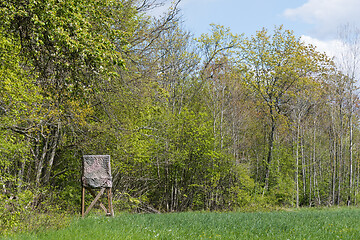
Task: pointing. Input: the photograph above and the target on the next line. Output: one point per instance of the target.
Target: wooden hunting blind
(97, 176)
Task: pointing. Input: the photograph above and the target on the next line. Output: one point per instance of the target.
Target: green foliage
(18, 104)
(12, 210)
(18, 214)
(75, 33)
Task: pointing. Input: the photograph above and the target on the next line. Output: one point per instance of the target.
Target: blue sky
(315, 21)
(240, 16)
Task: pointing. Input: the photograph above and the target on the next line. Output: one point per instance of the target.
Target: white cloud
(326, 15)
(332, 48)
(345, 56)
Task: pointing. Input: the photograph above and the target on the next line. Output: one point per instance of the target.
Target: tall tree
(276, 66)
(71, 48)
(348, 62)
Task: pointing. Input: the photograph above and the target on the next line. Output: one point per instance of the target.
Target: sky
(317, 22)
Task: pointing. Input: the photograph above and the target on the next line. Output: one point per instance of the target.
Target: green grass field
(342, 223)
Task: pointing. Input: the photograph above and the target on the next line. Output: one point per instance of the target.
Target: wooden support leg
(94, 201)
(109, 211)
(101, 204)
(110, 208)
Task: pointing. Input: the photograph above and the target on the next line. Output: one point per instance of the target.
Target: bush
(27, 212)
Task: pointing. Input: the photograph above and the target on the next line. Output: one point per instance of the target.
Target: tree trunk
(270, 150)
(55, 142)
(41, 161)
(350, 149)
(297, 165)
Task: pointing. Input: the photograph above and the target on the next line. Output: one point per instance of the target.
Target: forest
(216, 123)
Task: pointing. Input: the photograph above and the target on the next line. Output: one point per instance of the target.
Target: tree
(348, 62)
(70, 50)
(18, 105)
(275, 68)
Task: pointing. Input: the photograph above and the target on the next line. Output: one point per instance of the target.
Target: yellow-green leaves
(220, 43)
(277, 65)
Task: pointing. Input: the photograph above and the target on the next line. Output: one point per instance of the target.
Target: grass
(342, 223)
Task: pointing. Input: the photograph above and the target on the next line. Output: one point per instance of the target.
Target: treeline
(219, 122)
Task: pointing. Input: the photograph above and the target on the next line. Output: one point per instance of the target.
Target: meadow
(341, 223)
